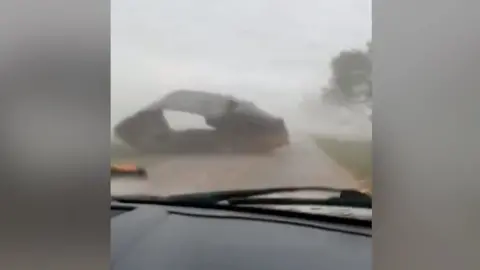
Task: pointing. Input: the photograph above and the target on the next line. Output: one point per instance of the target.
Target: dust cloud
(273, 53)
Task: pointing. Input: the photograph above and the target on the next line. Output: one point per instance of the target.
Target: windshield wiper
(343, 198)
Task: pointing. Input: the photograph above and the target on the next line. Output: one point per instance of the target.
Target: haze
(272, 52)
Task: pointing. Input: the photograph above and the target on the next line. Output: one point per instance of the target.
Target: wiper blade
(345, 200)
(344, 197)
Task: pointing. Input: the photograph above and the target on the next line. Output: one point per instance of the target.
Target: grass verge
(355, 155)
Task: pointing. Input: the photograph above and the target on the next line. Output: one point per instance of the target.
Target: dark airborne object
(238, 126)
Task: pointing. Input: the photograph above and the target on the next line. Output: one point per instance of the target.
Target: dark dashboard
(180, 238)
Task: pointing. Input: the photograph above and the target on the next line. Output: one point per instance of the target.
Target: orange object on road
(125, 167)
(127, 170)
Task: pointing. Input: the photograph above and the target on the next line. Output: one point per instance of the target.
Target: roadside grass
(354, 155)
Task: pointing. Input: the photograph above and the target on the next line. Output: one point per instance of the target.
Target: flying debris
(238, 126)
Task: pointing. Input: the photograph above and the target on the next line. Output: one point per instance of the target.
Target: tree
(351, 75)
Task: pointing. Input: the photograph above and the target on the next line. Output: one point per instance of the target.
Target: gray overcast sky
(251, 48)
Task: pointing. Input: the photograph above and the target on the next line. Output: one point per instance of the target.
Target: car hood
(152, 237)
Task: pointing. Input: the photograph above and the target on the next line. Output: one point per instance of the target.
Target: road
(299, 164)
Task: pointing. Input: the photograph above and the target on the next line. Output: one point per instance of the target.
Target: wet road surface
(299, 164)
